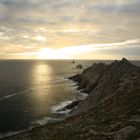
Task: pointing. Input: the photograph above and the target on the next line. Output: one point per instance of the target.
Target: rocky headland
(111, 110)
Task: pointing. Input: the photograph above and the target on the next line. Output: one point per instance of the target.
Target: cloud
(97, 47)
(40, 38)
(128, 48)
(35, 24)
(2, 9)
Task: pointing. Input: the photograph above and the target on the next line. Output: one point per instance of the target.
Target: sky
(69, 29)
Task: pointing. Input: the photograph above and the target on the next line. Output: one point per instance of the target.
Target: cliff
(105, 82)
(111, 110)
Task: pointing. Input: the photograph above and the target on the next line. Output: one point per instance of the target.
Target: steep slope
(102, 82)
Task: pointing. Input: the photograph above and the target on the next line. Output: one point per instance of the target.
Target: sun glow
(62, 53)
(74, 51)
(47, 53)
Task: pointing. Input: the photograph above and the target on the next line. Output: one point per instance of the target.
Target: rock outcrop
(110, 112)
(70, 106)
(125, 133)
(105, 82)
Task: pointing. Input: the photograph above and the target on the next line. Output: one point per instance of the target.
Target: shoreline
(64, 107)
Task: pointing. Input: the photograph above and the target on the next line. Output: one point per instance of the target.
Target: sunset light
(63, 29)
(69, 69)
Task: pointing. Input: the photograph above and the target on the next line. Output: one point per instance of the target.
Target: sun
(63, 53)
(45, 53)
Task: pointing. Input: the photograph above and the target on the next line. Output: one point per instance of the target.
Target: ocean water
(32, 90)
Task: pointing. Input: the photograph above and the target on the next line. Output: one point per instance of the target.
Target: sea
(32, 92)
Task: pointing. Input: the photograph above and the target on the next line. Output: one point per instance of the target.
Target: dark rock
(75, 77)
(70, 106)
(115, 125)
(124, 60)
(90, 77)
(79, 66)
(125, 133)
(73, 104)
(103, 82)
(92, 132)
(135, 119)
(107, 133)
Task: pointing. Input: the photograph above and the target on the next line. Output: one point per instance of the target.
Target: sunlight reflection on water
(39, 80)
(29, 90)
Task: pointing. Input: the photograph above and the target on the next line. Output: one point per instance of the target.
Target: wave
(34, 124)
(12, 133)
(45, 120)
(80, 95)
(58, 80)
(9, 134)
(20, 93)
(62, 79)
(55, 109)
(16, 94)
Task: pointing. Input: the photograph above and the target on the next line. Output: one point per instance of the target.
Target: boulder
(125, 133)
(70, 106)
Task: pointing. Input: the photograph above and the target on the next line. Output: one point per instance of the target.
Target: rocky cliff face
(110, 112)
(105, 82)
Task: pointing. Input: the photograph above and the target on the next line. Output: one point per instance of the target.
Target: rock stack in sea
(110, 112)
